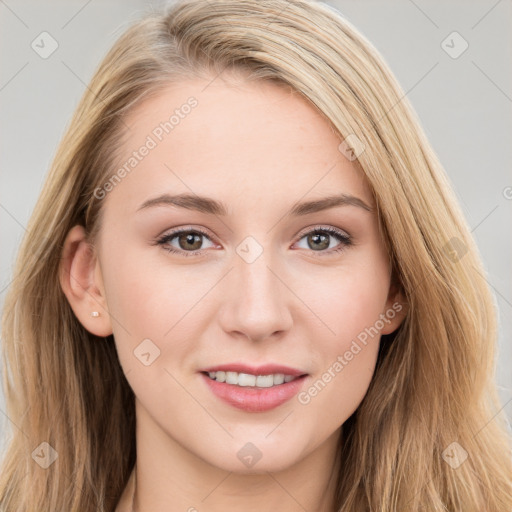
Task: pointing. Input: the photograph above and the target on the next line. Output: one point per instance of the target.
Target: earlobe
(81, 282)
(395, 313)
(396, 308)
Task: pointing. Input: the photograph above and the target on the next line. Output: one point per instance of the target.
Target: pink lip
(266, 369)
(254, 399)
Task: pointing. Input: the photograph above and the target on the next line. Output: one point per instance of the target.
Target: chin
(261, 467)
(253, 458)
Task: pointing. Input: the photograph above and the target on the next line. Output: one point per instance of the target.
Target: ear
(396, 307)
(81, 281)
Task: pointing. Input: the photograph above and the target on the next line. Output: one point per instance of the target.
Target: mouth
(254, 392)
(250, 380)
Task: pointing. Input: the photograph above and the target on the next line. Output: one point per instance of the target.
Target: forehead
(234, 139)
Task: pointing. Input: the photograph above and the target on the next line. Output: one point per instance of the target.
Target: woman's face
(250, 282)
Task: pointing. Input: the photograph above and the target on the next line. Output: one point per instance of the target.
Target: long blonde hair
(434, 384)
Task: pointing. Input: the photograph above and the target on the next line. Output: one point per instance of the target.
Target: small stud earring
(95, 313)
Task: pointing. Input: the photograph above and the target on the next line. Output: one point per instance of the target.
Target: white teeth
(265, 381)
(279, 378)
(231, 378)
(246, 379)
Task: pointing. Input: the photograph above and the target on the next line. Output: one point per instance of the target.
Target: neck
(324, 502)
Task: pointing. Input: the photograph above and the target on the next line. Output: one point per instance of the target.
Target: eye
(189, 241)
(320, 238)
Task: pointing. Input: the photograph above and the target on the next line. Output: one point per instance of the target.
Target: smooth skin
(259, 149)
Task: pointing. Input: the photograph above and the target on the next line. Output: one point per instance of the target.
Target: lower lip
(253, 399)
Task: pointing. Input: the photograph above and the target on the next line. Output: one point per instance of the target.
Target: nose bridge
(257, 282)
(257, 305)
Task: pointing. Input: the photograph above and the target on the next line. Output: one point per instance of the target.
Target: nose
(256, 302)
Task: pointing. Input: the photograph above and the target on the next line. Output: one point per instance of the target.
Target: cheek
(346, 300)
(145, 295)
(348, 356)
(337, 392)
(149, 299)
(133, 298)
(349, 305)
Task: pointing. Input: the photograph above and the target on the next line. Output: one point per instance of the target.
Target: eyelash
(345, 240)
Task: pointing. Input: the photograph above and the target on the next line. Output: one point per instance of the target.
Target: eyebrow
(211, 206)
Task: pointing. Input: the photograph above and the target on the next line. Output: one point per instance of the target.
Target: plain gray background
(464, 105)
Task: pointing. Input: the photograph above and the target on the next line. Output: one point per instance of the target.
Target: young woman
(248, 286)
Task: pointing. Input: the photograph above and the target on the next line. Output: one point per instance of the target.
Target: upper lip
(265, 369)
